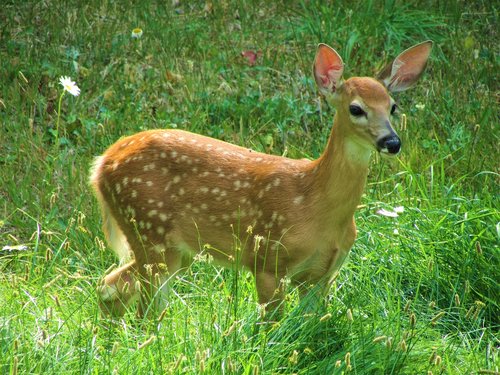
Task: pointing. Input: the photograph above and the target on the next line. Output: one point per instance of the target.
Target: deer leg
(162, 265)
(118, 290)
(271, 292)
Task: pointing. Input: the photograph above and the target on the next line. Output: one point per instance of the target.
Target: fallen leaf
(251, 56)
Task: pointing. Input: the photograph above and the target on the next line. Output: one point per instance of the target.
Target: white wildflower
(387, 213)
(137, 33)
(69, 86)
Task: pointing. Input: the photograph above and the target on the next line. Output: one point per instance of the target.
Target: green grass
(422, 289)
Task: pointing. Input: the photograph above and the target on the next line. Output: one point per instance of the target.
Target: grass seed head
(379, 338)
(325, 317)
(438, 316)
(15, 363)
(438, 360)
(403, 346)
(407, 306)
(162, 315)
(413, 320)
(349, 315)
(146, 343)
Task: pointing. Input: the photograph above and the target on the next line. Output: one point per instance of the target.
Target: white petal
(384, 212)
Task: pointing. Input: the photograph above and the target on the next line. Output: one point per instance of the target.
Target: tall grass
(420, 291)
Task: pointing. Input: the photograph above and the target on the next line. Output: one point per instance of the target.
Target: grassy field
(420, 293)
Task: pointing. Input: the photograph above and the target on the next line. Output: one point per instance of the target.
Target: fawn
(165, 193)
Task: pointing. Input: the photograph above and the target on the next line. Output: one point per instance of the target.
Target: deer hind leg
(117, 290)
(142, 278)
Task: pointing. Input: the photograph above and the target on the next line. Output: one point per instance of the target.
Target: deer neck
(341, 174)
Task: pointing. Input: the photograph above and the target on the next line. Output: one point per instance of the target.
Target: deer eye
(356, 110)
(394, 108)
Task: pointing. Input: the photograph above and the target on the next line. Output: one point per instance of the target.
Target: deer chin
(385, 154)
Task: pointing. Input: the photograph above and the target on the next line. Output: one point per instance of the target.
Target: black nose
(390, 144)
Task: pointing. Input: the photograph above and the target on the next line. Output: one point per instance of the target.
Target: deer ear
(407, 68)
(328, 68)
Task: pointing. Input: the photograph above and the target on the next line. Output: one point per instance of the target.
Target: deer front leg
(118, 290)
(163, 264)
(314, 286)
(271, 292)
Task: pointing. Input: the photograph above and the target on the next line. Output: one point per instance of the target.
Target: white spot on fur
(176, 179)
(299, 199)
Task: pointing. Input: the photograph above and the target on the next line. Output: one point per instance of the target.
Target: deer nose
(390, 144)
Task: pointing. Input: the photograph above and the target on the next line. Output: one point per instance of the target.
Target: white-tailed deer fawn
(164, 194)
